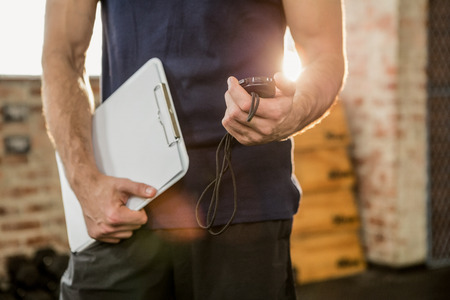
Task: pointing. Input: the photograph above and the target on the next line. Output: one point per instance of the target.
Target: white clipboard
(136, 135)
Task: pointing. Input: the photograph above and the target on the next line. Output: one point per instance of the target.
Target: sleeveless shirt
(201, 43)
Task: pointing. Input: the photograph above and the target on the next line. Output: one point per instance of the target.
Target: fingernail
(149, 191)
(229, 82)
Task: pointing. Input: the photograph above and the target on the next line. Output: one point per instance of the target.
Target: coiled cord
(225, 146)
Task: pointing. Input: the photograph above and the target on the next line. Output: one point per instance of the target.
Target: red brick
(9, 244)
(20, 192)
(37, 108)
(15, 159)
(38, 241)
(8, 92)
(24, 225)
(61, 220)
(37, 207)
(7, 211)
(35, 91)
(41, 173)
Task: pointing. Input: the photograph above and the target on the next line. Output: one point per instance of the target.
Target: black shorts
(248, 261)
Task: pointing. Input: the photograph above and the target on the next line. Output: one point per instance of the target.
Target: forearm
(317, 88)
(317, 30)
(66, 94)
(68, 107)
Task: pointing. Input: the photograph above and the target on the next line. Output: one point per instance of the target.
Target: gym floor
(418, 283)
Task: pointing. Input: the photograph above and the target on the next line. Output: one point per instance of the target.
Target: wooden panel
(326, 211)
(325, 241)
(324, 169)
(324, 256)
(331, 132)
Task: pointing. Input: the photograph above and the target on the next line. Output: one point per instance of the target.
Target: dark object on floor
(34, 278)
(418, 283)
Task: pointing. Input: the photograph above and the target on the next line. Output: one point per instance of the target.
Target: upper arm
(68, 30)
(316, 27)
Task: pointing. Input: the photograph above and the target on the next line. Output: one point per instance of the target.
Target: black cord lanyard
(226, 144)
(254, 107)
(254, 86)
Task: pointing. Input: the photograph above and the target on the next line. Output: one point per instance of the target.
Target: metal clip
(165, 112)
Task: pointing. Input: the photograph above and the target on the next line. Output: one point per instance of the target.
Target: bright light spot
(292, 65)
(21, 38)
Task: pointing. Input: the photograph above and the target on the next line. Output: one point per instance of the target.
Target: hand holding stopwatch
(263, 86)
(258, 87)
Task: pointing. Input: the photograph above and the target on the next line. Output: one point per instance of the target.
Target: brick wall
(31, 212)
(385, 98)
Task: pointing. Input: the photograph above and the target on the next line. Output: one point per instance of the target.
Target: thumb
(284, 84)
(134, 217)
(138, 189)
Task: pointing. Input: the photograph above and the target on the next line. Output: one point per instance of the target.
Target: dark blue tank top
(201, 43)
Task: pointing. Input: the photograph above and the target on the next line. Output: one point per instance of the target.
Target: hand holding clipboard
(136, 135)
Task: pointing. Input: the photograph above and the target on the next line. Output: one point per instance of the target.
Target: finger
(136, 188)
(108, 240)
(122, 227)
(129, 217)
(116, 237)
(239, 102)
(238, 94)
(235, 114)
(243, 133)
(120, 217)
(124, 234)
(129, 187)
(236, 121)
(115, 221)
(284, 84)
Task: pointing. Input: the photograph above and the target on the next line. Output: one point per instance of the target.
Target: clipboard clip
(166, 114)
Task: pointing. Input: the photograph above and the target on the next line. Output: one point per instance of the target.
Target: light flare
(292, 66)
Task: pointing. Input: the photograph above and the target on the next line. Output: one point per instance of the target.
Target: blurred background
(375, 217)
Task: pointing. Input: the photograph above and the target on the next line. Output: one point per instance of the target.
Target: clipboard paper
(136, 135)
